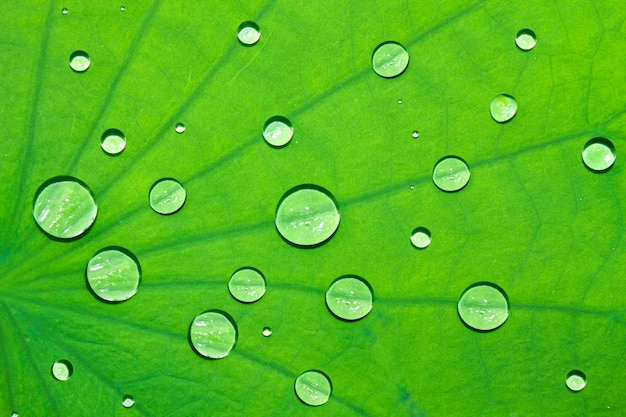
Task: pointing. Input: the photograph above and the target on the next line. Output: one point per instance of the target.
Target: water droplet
(64, 10)
(247, 285)
(412, 187)
(64, 208)
(307, 215)
(576, 380)
(180, 128)
(113, 274)
(313, 388)
(420, 237)
(278, 131)
(14, 414)
(128, 401)
(62, 370)
(350, 298)
(390, 59)
(113, 141)
(267, 332)
(122, 8)
(415, 134)
(484, 306)
(167, 196)
(525, 39)
(213, 334)
(399, 101)
(248, 33)
(79, 61)
(451, 174)
(599, 154)
(503, 107)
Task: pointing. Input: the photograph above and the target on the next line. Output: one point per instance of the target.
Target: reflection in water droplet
(313, 388)
(484, 306)
(113, 141)
(350, 298)
(576, 380)
(525, 39)
(503, 107)
(167, 196)
(599, 154)
(128, 401)
(180, 128)
(248, 33)
(64, 207)
(64, 10)
(62, 370)
(213, 334)
(420, 237)
(113, 274)
(390, 59)
(267, 332)
(415, 134)
(307, 215)
(278, 131)
(79, 61)
(451, 173)
(247, 285)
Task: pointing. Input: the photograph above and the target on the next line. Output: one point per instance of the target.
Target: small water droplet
(62, 370)
(14, 414)
(64, 10)
(390, 59)
(113, 274)
(412, 187)
(599, 154)
(313, 388)
(79, 61)
(525, 39)
(576, 380)
(350, 298)
(483, 306)
(278, 131)
(267, 332)
(420, 237)
(399, 101)
(213, 334)
(122, 8)
(64, 207)
(167, 196)
(503, 108)
(451, 173)
(179, 128)
(128, 401)
(248, 33)
(307, 215)
(113, 141)
(247, 285)
(415, 134)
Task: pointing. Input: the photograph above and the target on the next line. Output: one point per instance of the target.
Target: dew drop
(390, 59)
(14, 414)
(179, 128)
(113, 274)
(113, 141)
(313, 388)
(248, 33)
(64, 10)
(62, 370)
(64, 207)
(122, 8)
(278, 131)
(167, 196)
(503, 108)
(79, 61)
(350, 298)
(451, 173)
(415, 134)
(483, 306)
(525, 39)
(399, 101)
(599, 154)
(247, 285)
(420, 237)
(128, 401)
(213, 334)
(576, 380)
(267, 332)
(307, 215)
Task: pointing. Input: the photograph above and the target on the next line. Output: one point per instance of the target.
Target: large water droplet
(420, 237)
(248, 33)
(113, 141)
(599, 154)
(503, 107)
(79, 61)
(313, 388)
(247, 285)
(484, 306)
(350, 298)
(278, 131)
(64, 207)
(167, 196)
(390, 59)
(113, 274)
(179, 128)
(213, 334)
(525, 39)
(62, 370)
(451, 173)
(307, 215)
(576, 380)
(128, 401)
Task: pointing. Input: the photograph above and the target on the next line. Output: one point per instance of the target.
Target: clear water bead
(483, 306)
(313, 388)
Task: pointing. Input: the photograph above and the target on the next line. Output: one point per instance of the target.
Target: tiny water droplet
(415, 134)
(390, 59)
(14, 414)
(79, 61)
(576, 380)
(213, 334)
(64, 10)
(113, 141)
(399, 101)
(483, 306)
(420, 237)
(525, 39)
(267, 332)
(128, 401)
(179, 128)
(62, 370)
(247, 285)
(503, 108)
(278, 131)
(313, 388)
(350, 298)
(167, 196)
(122, 8)
(599, 154)
(451, 173)
(113, 274)
(248, 33)
(412, 187)
(307, 215)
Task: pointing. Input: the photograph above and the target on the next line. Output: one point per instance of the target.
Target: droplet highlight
(483, 306)
(179, 128)
(503, 108)
(525, 39)
(420, 237)
(451, 174)
(113, 141)
(350, 298)
(167, 196)
(113, 274)
(576, 380)
(62, 370)
(248, 33)
(80, 61)
(599, 154)
(277, 131)
(313, 388)
(390, 59)
(267, 332)
(213, 334)
(247, 285)
(128, 401)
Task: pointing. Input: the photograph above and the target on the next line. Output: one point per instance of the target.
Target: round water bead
(167, 196)
(248, 33)
(415, 134)
(451, 173)
(179, 128)
(62, 370)
(278, 131)
(64, 10)
(307, 215)
(484, 306)
(576, 380)
(267, 332)
(503, 107)
(128, 401)
(599, 154)
(313, 388)
(420, 237)
(113, 274)
(213, 334)
(79, 61)
(247, 285)
(390, 59)
(525, 39)
(64, 207)
(113, 141)
(350, 298)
